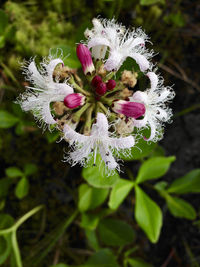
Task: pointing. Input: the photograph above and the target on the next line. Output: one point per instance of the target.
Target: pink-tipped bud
(96, 80)
(111, 85)
(85, 58)
(100, 89)
(74, 100)
(129, 109)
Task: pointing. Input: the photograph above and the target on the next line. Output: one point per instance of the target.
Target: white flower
(45, 90)
(122, 44)
(98, 141)
(154, 99)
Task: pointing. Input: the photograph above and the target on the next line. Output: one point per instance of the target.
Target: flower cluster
(100, 114)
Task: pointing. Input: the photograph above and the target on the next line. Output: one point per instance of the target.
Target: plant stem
(77, 115)
(21, 220)
(88, 121)
(16, 249)
(77, 87)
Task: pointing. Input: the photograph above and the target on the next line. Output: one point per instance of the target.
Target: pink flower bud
(129, 109)
(74, 100)
(111, 85)
(100, 89)
(97, 79)
(85, 58)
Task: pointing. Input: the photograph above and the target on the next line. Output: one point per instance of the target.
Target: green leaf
(114, 232)
(5, 247)
(30, 169)
(2, 41)
(189, 183)
(89, 221)
(96, 176)
(7, 120)
(141, 150)
(92, 239)
(154, 168)
(52, 136)
(4, 186)
(22, 188)
(3, 21)
(5, 241)
(69, 55)
(180, 208)
(90, 198)
(148, 215)
(160, 186)
(151, 2)
(102, 258)
(6, 221)
(13, 172)
(135, 262)
(119, 192)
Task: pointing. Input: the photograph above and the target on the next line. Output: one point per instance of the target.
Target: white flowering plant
(105, 116)
(99, 114)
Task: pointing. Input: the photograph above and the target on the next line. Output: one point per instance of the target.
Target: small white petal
(153, 131)
(63, 89)
(132, 42)
(51, 66)
(98, 41)
(140, 97)
(141, 61)
(153, 80)
(114, 61)
(108, 157)
(122, 142)
(73, 136)
(35, 76)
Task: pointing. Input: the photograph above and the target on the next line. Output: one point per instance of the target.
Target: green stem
(16, 249)
(21, 220)
(77, 87)
(109, 76)
(77, 115)
(88, 121)
(102, 107)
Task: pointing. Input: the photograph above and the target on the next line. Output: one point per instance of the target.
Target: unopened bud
(74, 100)
(96, 80)
(100, 89)
(129, 109)
(110, 85)
(85, 58)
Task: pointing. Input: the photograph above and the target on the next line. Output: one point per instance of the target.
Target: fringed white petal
(153, 131)
(98, 41)
(114, 61)
(73, 136)
(51, 67)
(130, 43)
(99, 51)
(122, 142)
(63, 89)
(80, 155)
(153, 80)
(100, 128)
(141, 123)
(34, 76)
(107, 157)
(140, 97)
(141, 60)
